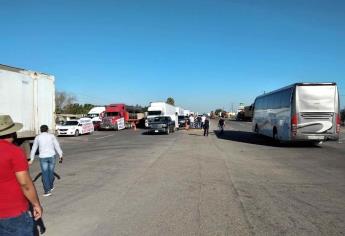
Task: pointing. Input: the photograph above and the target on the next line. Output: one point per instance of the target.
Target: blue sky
(204, 53)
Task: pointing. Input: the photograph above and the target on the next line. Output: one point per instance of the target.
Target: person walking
(16, 187)
(191, 121)
(221, 125)
(206, 126)
(48, 146)
(203, 118)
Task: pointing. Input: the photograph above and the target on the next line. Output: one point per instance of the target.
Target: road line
(105, 136)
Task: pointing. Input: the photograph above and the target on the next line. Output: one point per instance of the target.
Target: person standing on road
(206, 126)
(203, 119)
(221, 125)
(16, 187)
(48, 146)
(191, 121)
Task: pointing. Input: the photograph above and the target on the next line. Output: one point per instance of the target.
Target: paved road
(127, 183)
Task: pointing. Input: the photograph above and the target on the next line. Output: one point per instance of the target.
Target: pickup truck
(161, 124)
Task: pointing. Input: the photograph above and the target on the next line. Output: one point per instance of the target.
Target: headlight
(164, 125)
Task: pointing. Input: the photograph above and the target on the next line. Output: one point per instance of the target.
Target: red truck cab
(113, 115)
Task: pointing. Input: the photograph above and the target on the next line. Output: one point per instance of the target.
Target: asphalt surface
(238, 183)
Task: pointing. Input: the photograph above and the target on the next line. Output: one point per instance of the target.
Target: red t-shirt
(12, 200)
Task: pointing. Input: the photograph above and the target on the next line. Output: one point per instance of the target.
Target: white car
(75, 127)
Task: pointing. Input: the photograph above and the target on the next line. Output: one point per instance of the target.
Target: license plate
(314, 137)
(156, 131)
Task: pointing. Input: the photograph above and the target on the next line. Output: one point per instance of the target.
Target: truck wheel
(168, 130)
(76, 134)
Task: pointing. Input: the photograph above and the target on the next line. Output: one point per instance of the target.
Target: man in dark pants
(221, 125)
(16, 187)
(206, 127)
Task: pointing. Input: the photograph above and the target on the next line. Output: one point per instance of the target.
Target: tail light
(294, 123)
(338, 120)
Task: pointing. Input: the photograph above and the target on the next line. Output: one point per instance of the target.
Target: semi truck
(96, 113)
(121, 116)
(161, 109)
(246, 114)
(29, 98)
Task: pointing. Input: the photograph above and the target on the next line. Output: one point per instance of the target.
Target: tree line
(66, 103)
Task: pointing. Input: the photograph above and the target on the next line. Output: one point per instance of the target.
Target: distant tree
(171, 101)
(62, 100)
(218, 111)
(86, 108)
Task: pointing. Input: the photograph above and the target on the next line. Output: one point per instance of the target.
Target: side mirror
(80, 124)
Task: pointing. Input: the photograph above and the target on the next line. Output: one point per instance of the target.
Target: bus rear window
(316, 98)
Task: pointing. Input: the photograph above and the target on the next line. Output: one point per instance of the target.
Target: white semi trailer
(161, 109)
(29, 98)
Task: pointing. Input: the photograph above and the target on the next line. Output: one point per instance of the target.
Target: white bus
(299, 112)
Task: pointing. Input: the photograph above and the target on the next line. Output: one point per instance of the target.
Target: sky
(206, 54)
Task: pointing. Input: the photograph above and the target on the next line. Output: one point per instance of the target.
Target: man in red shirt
(16, 187)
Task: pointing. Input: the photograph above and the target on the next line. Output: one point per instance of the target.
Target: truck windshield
(92, 115)
(112, 114)
(154, 113)
(71, 122)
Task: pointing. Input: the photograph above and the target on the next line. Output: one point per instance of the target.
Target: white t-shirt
(203, 118)
(47, 144)
(191, 119)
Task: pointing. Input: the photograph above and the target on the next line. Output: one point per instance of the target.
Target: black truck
(161, 124)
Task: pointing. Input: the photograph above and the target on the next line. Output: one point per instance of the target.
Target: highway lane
(128, 183)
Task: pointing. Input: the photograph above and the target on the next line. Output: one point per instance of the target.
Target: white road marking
(105, 136)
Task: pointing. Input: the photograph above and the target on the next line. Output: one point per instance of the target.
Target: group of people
(199, 122)
(202, 122)
(17, 191)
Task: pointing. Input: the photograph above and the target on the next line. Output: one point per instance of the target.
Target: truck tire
(168, 131)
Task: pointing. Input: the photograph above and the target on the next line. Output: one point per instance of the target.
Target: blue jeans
(47, 167)
(22, 225)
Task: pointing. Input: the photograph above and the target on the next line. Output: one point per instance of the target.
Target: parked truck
(96, 113)
(161, 109)
(120, 116)
(246, 114)
(29, 98)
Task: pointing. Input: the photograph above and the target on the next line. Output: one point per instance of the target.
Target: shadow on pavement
(252, 138)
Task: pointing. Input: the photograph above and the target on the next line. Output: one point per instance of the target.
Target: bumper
(158, 130)
(315, 137)
(65, 133)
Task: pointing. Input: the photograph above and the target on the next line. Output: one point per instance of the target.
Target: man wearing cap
(48, 147)
(16, 187)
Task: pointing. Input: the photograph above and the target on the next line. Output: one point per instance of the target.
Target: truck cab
(114, 117)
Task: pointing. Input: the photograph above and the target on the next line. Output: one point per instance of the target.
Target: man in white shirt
(191, 121)
(203, 118)
(48, 147)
